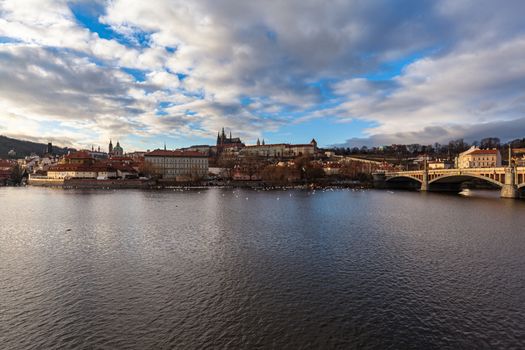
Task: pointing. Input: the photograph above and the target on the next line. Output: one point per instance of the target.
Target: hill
(25, 148)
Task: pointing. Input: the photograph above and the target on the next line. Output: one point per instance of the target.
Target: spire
(263, 142)
(258, 142)
(230, 135)
(164, 145)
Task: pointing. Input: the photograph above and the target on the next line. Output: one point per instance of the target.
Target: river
(296, 269)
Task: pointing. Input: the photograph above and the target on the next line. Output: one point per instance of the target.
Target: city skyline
(79, 73)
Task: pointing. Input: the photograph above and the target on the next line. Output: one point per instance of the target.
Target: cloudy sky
(347, 72)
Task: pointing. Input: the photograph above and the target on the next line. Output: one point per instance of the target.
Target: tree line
(442, 151)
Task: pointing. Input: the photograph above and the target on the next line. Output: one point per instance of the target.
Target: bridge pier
(509, 189)
(424, 183)
(379, 180)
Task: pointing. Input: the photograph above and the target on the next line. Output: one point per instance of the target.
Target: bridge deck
(496, 175)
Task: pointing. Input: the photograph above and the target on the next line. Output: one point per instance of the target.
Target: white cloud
(273, 52)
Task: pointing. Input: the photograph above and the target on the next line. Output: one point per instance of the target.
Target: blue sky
(353, 73)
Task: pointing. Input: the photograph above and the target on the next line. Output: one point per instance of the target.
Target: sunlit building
(479, 158)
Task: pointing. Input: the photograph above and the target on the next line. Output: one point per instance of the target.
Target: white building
(479, 158)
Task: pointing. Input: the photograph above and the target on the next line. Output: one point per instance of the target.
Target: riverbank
(162, 184)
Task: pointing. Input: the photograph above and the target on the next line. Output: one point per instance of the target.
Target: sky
(347, 72)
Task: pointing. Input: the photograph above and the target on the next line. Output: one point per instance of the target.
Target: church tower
(110, 148)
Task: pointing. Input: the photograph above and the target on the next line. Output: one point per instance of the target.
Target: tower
(117, 150)
(258, 142)
(110, 148)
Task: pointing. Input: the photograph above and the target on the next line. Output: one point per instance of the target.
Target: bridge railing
(498, 170)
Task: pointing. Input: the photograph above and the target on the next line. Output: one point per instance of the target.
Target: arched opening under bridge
(403, 182)
(456, 183)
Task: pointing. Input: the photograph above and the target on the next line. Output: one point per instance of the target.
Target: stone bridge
(510, 180)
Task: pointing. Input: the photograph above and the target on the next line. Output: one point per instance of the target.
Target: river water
(217, 268)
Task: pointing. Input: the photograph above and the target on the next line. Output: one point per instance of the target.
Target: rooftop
(166, 153)
(79, 155)
(485, 151)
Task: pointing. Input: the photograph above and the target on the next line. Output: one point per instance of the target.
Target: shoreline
(156, 185)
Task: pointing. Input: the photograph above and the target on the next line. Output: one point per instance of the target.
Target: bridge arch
(401, 177)
(460, 178)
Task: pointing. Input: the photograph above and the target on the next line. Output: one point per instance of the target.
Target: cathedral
(225, 142)
(116, 151)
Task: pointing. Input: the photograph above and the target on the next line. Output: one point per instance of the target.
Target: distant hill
(25, 148)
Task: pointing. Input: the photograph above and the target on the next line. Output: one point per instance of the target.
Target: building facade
(81, 171)
(178, 165)
(479, 158)
(280, 150)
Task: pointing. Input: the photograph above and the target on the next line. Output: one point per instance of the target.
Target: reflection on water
(269, 269)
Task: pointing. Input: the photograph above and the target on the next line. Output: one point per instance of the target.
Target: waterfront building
(178, 165)
(80, 165)
(475, 157)
(81, 171)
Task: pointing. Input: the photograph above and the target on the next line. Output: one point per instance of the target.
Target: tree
(490, 142)
(17, 174)
(149, 169)
(226, 163)
(279, 174)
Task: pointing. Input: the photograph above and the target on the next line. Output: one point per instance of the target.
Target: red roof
(6, 164)
(121, 159)
(485, 151)
(166, 153)
(81, 167)
(79, 155)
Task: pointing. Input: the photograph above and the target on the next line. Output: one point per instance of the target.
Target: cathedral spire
(258, 142)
